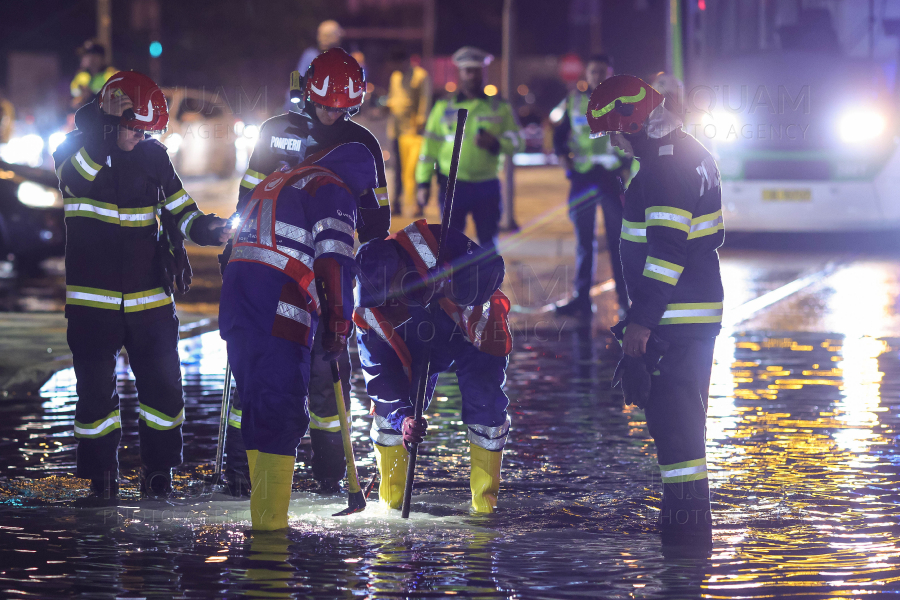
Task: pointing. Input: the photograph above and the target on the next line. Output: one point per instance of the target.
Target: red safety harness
(485, 326)
(262, 210)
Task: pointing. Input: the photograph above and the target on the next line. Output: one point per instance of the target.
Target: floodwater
(803, 455)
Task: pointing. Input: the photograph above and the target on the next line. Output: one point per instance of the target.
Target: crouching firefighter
(670, 234)
(470, 335)
(297, 227)
(115, 182)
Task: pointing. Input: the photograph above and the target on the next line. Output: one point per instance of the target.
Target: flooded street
(803, 451)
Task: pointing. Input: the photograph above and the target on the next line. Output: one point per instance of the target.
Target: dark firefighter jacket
(112, 199)
(671, 230)
(292, 139)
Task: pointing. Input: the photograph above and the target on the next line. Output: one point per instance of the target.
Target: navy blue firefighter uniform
(114, 293)
(286, 141)
(471, 337)
(298, 226)
(671, 230)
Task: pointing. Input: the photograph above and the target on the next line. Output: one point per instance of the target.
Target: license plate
(782, 195)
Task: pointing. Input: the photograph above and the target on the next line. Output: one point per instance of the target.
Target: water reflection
(802, 453)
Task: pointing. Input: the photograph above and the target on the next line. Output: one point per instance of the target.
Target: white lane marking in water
(746, 310)
(598, 289)
(732, 316)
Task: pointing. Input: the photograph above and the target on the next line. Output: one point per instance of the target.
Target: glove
(634, 374)
(413, 431)
(334, 344)
(634, 378)
(225, 257)
(175, 267)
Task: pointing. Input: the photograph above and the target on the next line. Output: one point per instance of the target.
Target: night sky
(251, 43)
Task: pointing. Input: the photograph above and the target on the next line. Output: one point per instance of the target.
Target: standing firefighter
(333, 91)
(596, 171)
(469, 334)
(670, 234)
(491, 130)
(297, 227)
(114, 183)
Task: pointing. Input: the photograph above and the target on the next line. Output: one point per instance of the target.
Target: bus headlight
(861, 126)
(721, 126)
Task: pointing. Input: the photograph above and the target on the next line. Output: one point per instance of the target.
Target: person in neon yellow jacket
(491, 130)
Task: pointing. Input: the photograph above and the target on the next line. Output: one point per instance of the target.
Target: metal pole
(871, 28)
(596, 27)
(223, 421)
(104, 27)
(428, 28)
(509, 190)
(422, 374)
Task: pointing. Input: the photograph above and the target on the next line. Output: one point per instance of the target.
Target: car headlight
(861, 126)
(36, 195)
(721, 126)
(25, 150)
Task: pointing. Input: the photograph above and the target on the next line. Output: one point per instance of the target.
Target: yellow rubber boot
(392, 463)
(251, 461)
(485, 478)
(270, 494)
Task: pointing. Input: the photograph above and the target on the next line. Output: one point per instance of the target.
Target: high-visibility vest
(486, 326)
(261, 210)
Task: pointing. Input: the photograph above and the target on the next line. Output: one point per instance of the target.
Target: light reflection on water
(803, 459)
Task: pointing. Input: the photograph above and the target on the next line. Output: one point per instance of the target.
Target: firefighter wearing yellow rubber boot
(470, 335)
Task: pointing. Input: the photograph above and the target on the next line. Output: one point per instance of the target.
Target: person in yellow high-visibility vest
(491, 130)
(409, 100)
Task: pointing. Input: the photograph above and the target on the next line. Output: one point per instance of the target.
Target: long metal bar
(423, 373)
(223, 421)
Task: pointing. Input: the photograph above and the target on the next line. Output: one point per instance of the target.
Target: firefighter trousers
(328, 462)
(481, 378)
(152, 347)
(676, 418)
(271, 375)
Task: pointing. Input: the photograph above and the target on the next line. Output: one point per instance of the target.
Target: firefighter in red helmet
(120, 270)
(332, 91)
(671, 231)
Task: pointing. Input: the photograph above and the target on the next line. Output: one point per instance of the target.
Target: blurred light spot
(370, 88)
(582, 86)
(490, 90)
(55, 140)
(155, 49)
(450, 87)
(386, 155)
(522, 89)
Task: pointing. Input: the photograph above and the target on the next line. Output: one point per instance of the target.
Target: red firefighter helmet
(335, 79)
(621, 103)
(149, 112)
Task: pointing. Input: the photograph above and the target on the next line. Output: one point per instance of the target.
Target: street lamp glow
(155, 49)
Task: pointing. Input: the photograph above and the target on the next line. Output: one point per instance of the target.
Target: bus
(797, 101)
